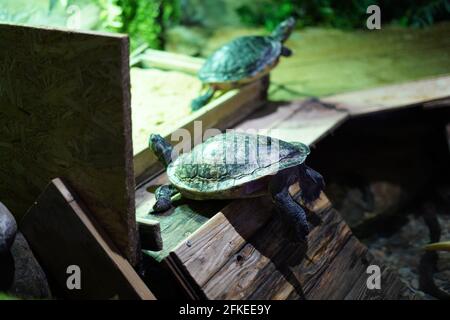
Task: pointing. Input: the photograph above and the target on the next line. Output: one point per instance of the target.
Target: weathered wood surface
(241, 253)
(306, 121)
(61, 233)
(393, 96)
(65, 112)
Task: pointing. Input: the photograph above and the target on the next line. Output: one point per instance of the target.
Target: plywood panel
(65, 112)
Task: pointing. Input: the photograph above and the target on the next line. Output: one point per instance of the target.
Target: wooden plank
(390, 283)
(230, 238)
(304, 120)
(61, 233)
(65, 112)
(270, 115)
(342, 272)
(221, 236)
(292, 272)
(392, 97)
(264, 265)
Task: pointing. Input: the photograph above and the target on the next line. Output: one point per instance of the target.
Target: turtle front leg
(202, 100)
(311, 183)
(290, 211)
(163, 197)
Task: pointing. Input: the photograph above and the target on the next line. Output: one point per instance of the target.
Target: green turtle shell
(233, 165)
(242, 58)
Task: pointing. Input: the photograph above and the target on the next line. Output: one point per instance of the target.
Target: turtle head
(284, 29)
(161, 148)
(302, 148)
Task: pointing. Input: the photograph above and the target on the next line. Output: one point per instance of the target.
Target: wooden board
(61, 232)
(392, 97)
(305, 121)
(241, 253)
(65, 112)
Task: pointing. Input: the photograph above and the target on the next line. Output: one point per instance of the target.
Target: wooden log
(65, 112)
(62, 233)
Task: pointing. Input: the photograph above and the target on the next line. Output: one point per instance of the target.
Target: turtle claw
(163, 195)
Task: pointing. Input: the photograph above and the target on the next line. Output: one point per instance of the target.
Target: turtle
(241, 61)
(234, 165)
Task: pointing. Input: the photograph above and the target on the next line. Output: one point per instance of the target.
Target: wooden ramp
(429, 92)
